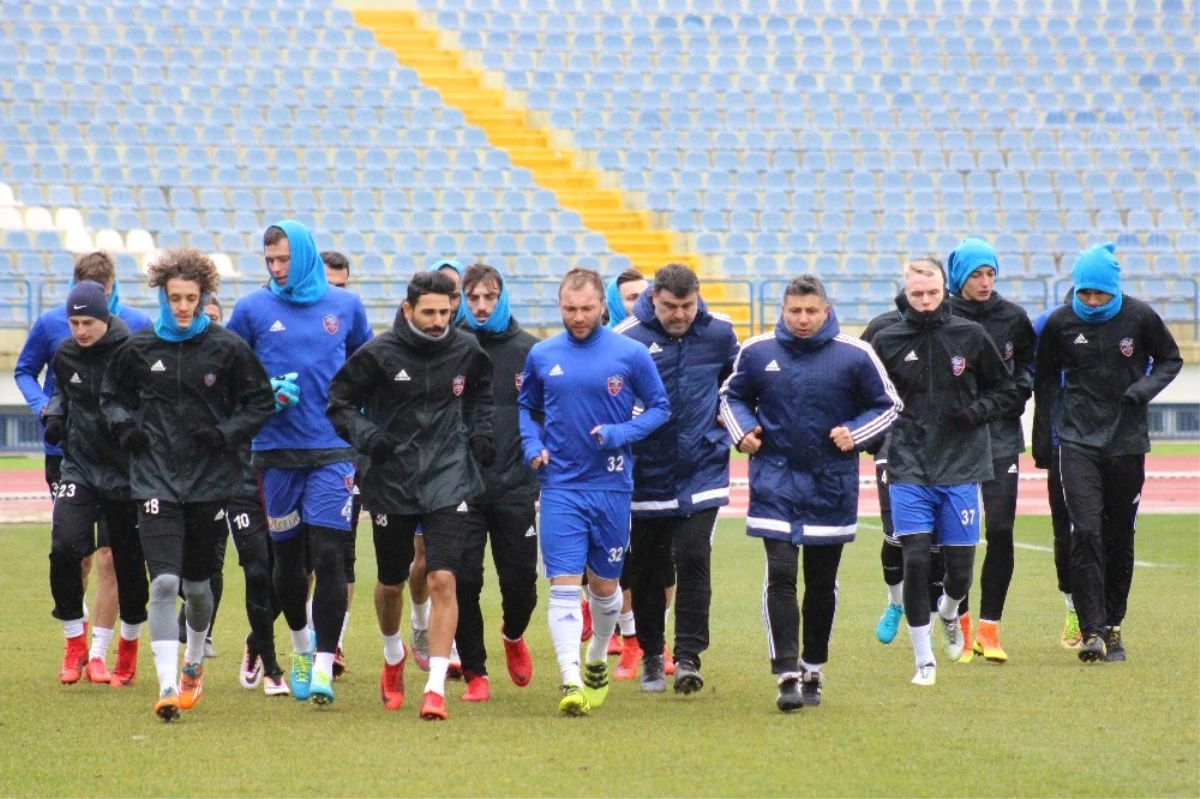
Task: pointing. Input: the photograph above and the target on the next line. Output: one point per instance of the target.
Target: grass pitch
(1040, 725)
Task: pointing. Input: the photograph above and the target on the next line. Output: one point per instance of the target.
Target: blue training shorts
(322, 496)
(581, 529)
(951, 513)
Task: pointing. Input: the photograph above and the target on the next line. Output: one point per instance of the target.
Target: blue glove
(286, 390)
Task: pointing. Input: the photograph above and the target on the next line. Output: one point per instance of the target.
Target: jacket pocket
(767, 477)
(835, 494)
(718, 438)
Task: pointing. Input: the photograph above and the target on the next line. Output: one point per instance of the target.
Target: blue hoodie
(497, 323)
(965, 259)
(48, 331)
(292, 329)
(1097, 269)
(461, 314)
(613, 303)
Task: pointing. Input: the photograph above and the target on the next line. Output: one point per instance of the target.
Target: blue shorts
(581, 529)
(951, 513)
(322, 496)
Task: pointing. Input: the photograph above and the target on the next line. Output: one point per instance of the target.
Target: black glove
(484, 452)
(964, 417)
(1128, 400)
(54, 432)
(209, 438)
(382, 446)
(132, 438)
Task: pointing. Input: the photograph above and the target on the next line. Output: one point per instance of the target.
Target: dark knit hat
(87, 298)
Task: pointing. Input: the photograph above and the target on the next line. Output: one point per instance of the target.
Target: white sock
(195, 645)
(420, 614)
(948, 607)
(301, 641)
(1070, 602)
(811, 667)
(73, 628)
(437, 675)
(393, 649)
(308, 610)
(166, 662)
(323, 664)
(100, 638)
(345, 624)
(454, 658)
(566, 625)
(922, 646)
(896, 593)
(604, 620)
(130, 632)
(625, 620)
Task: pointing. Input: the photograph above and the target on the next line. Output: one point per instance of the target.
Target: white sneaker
(926, 674)
(954, 638)
(250, 674)
(275, 686)
(420, 648)
(209, 650)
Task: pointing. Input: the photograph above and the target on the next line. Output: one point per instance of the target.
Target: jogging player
(182, 398)
(680, 474)
(802, 401)
(418, 400)
(1095, 355)
(952, 381)
(586, 381)
(94, 485)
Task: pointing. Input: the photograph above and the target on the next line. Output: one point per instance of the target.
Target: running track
(1172, 486)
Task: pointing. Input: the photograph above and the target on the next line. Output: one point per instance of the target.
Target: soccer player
(37, 355)
(972, 270)
(621, 294)
(952, 381)
(586, 381)
(94, 485)
(182, 398)
(418, 400)
(802, 401)
(1094, 357)
(508, 503)
(680, 474)
(303, 329)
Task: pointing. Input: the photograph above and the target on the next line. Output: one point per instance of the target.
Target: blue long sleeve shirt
(581, 385)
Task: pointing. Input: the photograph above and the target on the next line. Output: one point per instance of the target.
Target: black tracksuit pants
(1102, 495)
(782, 616)
(666, 549)
(248, 523)
(512, 528)
(999, 517)
(1060, 520)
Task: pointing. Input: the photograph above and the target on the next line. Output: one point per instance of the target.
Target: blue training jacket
(48, 331)
(804, 489)
(580, 385)
(683, 466)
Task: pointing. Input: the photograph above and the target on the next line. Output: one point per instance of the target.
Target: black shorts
(53, 472)
(885, 501)
(182, 539)
(79, 509)
(445, 532)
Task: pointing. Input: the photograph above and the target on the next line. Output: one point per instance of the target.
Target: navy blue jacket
(683, 466)
(803, 489)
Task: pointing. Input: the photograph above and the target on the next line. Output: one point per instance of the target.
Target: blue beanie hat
(965, 259)
(1098, 269)
(87, 299)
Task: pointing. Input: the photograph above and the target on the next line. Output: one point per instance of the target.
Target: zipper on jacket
(179, 414)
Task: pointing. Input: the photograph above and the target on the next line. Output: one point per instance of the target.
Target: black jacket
(172, 389)
(1012, 333)
(1105, 386)
(878, 447)
(434, 397)
(509, 479)
(91, 456)
(940, 363)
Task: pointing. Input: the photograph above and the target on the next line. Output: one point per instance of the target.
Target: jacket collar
(973, 309)
(817, 340)
(923, 320)
(421, 343)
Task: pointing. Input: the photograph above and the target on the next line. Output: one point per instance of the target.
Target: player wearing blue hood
(1092, 364)
(303, 330)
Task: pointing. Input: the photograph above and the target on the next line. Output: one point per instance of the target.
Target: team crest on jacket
(332, 323)
(615, 384)
(210, 380)
(519, 380)
(958, 365)
(460, 383)
(1127, 347)
(1008, 351)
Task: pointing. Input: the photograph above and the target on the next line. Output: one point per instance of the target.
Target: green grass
(20, 463)
(1041, 725)
(1175, 448)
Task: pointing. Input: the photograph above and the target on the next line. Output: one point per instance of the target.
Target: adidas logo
(1081, 339)
(462, 508)
(220, 515)
(556, 371)
(277, 327)
(772, 367)
(402, 376)
(158, 367)
(1137, 499)
(1012, 469)
(75, 378)
(912, 356)
(530, 533)
(654, 348)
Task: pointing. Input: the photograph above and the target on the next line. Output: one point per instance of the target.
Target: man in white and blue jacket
(802, 401)
(680, 473)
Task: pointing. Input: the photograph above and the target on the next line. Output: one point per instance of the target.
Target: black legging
(329, 598)
(782, 615)
(960, 566)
